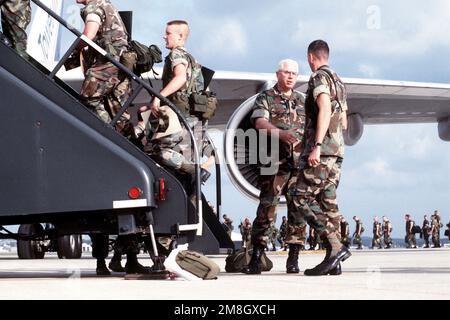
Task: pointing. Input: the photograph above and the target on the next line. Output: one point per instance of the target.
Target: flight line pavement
(368, 274)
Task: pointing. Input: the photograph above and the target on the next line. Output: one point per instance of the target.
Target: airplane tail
(44, 34)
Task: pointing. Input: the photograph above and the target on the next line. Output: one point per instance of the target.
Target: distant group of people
(381, 232)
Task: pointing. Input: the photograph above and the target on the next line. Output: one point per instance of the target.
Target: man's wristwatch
(317, 144)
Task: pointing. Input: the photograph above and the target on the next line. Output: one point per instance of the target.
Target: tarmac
(409, 274)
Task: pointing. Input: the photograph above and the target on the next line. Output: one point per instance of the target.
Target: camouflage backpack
(341, 90)
(202, 103)
(140, 58)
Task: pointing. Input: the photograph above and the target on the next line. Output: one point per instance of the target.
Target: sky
(394, 169)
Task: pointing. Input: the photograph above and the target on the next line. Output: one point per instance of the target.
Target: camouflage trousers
(376, 241)
(204, 148)
(167, 152)
(345, 241)
(103, 85)
(436, 239)
(314, 196)
(387, 240)
(357, 241)
(411, 240)
(16, 15)
(272, 187)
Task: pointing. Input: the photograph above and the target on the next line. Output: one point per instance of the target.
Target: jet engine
(243, 156)
(243, 173)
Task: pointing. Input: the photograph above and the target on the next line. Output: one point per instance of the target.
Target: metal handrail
(142, 85)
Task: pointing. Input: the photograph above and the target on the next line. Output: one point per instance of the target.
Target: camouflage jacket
(322, 82)
(408, 226)
(283, 229)
(112, 35)
(387, 227)
(193, 70)
(376, 228)
(284, 113)
(426, 225)
(20, 6)
(345, 230)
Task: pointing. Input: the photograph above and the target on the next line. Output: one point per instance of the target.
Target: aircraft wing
(376, 101)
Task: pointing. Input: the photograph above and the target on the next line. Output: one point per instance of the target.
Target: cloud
(227, 40)
(387, 29)
(377, 174)
(369, 71)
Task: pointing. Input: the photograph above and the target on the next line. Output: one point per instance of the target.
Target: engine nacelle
(243, 176)
(355, 129)
(444, 129)
(242, 171)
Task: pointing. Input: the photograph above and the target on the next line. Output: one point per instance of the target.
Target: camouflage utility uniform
(357, 235)
(315, 191)
(174, 151)
(245, 228)
(376, 240)
(284, 113)
(345, 233)
(436, 230)
(410, 238)
(426, 232)
(282, 234)
(387, 230)
(103, 81)
(16, 15)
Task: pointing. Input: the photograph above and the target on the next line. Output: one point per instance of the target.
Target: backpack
(197, 264)
(140, 58)
(202, 103)
(416, 229)
(341, 90)
(235, 262)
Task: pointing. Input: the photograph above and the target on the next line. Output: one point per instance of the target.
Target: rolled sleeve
(260, 109)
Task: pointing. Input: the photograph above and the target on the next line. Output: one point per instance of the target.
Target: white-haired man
(280, 113)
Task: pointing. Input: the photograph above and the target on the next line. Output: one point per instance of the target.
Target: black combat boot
(254, 267)
(336, 271)
(338, 253)
(292, 260)
(102, 270)
(133, 266)
(115, 264)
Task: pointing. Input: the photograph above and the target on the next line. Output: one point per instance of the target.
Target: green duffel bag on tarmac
(235, 262)
(197, 264)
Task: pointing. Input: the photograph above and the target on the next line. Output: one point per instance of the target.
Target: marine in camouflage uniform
(315, 191)
(284, 113)
(16, 15)
(426, 231)
(273, 234)
(358, 232)
(345, 232)
(246, 228)
(175, 150)
(410, 238)
(103, 81)
(376, 230)
(282, 233)
(387, 230)
(436, 230)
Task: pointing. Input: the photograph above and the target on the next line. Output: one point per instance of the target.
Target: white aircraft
(370, 101)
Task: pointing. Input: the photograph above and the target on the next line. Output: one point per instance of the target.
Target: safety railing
(141, 85)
